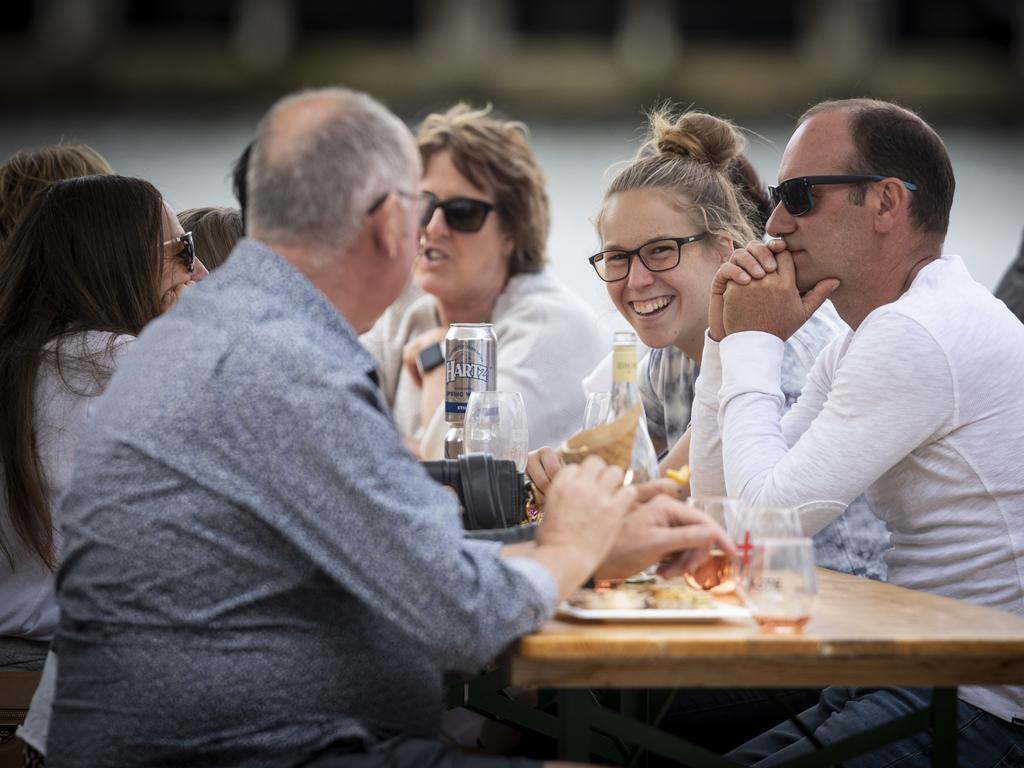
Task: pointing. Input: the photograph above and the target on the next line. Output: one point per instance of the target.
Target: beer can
(470, 365)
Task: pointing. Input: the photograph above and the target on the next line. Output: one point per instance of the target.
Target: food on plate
(609, 599)
(671, 594)
(678, 596)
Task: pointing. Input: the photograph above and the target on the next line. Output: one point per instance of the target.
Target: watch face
(431, 357)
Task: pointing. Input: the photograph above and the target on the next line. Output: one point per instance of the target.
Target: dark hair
(27, 173)
(890, 140)
(239, 171)
(750, 188)
(214, 231)
(86, 257)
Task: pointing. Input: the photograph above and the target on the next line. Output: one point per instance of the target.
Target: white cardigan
(548, 340)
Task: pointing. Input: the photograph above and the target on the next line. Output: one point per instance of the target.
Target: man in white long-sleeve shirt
(916, 405)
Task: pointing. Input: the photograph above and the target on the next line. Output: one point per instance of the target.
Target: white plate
(719, 612)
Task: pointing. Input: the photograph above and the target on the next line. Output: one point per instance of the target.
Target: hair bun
(697, 135)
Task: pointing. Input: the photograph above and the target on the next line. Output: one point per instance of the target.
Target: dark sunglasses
(462, 214)
(188, 251)
(795, 194)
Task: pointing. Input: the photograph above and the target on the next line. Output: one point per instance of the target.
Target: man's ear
(893, 203)
(386, 227)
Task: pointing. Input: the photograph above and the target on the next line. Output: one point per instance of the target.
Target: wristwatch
(430, 357)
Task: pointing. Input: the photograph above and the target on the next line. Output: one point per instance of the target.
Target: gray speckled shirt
(254, 566)
(853, 543)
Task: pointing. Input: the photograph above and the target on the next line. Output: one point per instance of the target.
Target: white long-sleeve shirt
(62, 399)
(920, 407)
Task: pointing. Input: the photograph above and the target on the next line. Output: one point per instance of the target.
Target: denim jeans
(17, 654)
(411, 752)
(722, 719)
(983, 740)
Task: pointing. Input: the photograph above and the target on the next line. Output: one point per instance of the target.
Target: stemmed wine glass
(495, 423)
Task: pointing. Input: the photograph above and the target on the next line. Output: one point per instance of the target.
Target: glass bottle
(643, 464)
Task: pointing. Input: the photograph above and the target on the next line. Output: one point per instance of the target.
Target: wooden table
(861, 633)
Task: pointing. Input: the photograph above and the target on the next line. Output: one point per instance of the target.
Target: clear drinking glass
(780, 586)
(495, 423)
(716, 574)
(599, 405)
(750, 525)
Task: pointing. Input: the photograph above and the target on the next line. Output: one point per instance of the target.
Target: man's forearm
(706, 468)
(570, 568)
(520, 549)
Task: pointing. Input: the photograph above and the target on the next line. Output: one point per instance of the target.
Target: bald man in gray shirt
(256, 572)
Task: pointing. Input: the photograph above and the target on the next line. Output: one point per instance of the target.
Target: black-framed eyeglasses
(462, 214)
(188, 250)
(796, 195)
(657, 255)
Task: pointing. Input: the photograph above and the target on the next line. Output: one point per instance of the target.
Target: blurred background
(172, 91)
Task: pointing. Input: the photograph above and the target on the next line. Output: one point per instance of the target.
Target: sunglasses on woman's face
(462, 214)
(188, 251)
(797, 194)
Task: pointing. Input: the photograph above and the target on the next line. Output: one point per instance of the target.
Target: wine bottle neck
(623, 364)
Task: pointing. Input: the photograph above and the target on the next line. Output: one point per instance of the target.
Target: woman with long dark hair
(88, 266)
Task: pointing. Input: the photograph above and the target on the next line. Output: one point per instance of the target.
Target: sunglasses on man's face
(462, 214)
(797, 194)
(188, 250)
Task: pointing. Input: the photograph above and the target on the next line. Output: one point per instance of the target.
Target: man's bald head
(890, 140)
(319, 159)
